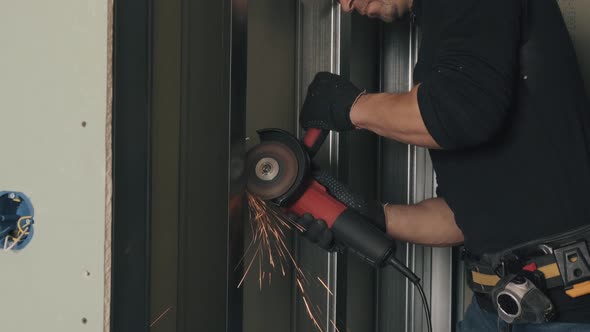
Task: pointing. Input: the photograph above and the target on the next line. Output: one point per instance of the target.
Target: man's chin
(392, 14)
(387, 19)
(395, 16)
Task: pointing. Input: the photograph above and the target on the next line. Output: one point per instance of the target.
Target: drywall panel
(53, 106)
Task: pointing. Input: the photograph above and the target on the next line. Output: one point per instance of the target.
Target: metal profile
(319, 27)
(408, 178)
(132, 61)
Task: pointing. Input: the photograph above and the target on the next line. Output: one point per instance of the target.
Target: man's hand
(328, 103)
(430, 222)
(317, 231)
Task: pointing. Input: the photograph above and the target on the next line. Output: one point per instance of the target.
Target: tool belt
(562, 260)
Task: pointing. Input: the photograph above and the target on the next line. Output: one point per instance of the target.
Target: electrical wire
(22, 231)
(414, 279)
(20, 228)
(16, 241)
(425, 305)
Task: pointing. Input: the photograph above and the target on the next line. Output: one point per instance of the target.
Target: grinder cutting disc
(272, 170)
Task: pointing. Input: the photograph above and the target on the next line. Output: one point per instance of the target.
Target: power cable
(415, 280)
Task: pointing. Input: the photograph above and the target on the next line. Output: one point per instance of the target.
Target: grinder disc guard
(272, 170)
(276, 169)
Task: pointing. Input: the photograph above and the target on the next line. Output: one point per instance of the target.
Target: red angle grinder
(279, 172)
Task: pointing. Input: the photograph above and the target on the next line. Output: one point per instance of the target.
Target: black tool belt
(558, 261)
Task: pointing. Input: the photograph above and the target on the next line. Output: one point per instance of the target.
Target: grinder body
(306, 195)
(350, 228)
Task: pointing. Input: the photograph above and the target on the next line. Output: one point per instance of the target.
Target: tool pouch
(561, 260)
(518, 301)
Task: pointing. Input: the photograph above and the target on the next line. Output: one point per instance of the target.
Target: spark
(334, 324)
(300, 285)
(269, 245)
(248, 269)
(311, 315)
(260, 270)
(161, 316)
(325, 286)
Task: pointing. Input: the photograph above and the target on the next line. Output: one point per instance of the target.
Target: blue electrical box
(16, 220)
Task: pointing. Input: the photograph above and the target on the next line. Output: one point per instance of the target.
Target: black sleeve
(465, 98)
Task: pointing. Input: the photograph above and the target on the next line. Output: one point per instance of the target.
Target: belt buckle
(508, 264)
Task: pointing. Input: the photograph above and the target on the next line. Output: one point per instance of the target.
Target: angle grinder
(279, 172)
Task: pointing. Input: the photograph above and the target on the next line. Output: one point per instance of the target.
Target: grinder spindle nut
(272, 170)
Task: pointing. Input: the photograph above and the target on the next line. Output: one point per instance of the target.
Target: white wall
(53, 77)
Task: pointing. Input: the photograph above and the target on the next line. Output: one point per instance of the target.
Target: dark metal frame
(131, 165)
(212, 148)
(211, 139)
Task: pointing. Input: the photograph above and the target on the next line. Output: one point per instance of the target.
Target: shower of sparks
(268, 244)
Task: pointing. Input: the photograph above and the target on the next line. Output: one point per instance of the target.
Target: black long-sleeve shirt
(502, 93)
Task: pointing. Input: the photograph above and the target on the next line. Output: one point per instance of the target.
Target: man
(500, 103)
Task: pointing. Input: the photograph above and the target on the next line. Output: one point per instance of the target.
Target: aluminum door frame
(320, 43)
(130, 296)
(270, 104)
(212, 151)
(407, 177)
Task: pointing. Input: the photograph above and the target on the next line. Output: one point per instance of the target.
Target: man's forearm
(430, 222)
(396, 116)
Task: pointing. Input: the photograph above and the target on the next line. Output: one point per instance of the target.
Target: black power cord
(425, 305)
(413, 278)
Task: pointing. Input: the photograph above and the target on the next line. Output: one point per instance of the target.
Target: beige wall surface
(53, 77)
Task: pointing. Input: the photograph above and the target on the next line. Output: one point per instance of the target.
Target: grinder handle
(350, 228)
(313, 140)
(361, 237)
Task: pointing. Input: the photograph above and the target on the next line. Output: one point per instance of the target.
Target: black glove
(327, 105)
(372, 210)
(317, 231)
